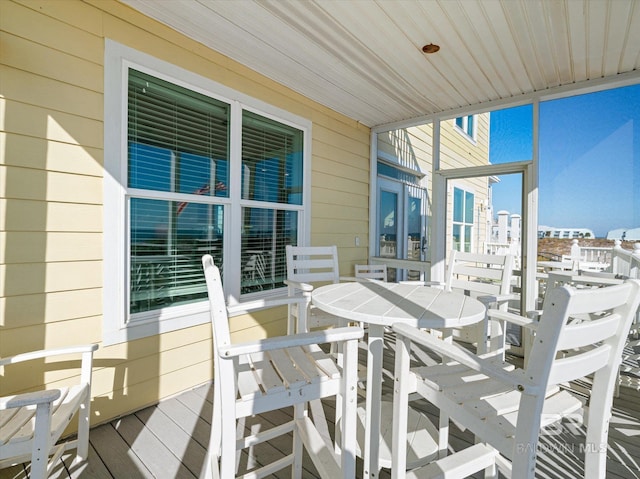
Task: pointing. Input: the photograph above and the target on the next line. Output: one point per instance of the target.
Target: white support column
(438, 229)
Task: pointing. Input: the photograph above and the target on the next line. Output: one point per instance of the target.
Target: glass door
(401, 224)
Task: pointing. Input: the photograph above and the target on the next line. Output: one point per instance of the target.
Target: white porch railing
(512, 248)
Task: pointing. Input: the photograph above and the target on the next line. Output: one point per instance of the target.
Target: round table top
(377, 302)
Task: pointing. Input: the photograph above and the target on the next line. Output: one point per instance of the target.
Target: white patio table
(380, 305)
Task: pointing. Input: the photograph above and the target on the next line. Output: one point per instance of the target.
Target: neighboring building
(553, 232)
(617, 234)
(405, 186)
(632, 235)
(624, 234)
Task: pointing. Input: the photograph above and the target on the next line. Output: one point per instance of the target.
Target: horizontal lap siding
(51, 198)
(340, 192)
(457, 150)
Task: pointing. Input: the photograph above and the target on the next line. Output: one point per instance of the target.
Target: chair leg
(400, 409)
(320, 419)
(82, 451)
(349, 401)
(39, 457)
(297, 448)
(598, 428)
(443, 419)
(216, 433)
(228, 429)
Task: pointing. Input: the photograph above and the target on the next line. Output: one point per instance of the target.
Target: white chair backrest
(313, 264)
(592, 323)
(479, 274)
(371, 271)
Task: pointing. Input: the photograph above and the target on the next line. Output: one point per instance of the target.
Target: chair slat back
(313, 264)
(591, 323)
(371, 271)
(488, 274)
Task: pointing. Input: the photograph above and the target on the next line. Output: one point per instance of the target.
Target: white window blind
(272, 156)
(177, 144)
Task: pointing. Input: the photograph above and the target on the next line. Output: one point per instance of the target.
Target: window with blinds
(179, 188)
(178, 157)
(272, 175)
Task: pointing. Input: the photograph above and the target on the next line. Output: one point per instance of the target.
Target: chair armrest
(496, 298)
(305, 287)
(271, 302)
(45, 353)
(305, 339)
(454, 352)
(351, 278)
(529, 323)
(29, 399)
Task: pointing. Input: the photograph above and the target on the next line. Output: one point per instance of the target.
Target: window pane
(149, 167)
(470, 125)
(166, 246)
(265, 234)
(456, 237)
(197, 173)
(460, 122)
(589, 163)
(271, 160)
(468, 207)
(511, 133)
(467, 238)
(178, 139)
(458, 204)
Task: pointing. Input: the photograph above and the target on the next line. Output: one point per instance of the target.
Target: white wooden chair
(486, 398)
(308, 267)
(32, 423)
(275, 373)
(624, 264)
(371, 271)
(627, 264)
(486, 277)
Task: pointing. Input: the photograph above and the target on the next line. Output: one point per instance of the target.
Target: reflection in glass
(272, 156)
(265, 234)
(166, 246)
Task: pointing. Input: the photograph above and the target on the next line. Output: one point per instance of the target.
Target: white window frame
(117, 325)
(471, 135)
(465, 189)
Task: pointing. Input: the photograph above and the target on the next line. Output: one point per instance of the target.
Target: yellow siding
(51, 220)
(413, 148)
(28, 215)
(34, 309)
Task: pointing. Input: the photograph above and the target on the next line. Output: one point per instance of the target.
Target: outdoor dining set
(450, 348)
(579, 333)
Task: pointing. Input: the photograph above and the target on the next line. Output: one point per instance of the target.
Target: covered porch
(374, 91)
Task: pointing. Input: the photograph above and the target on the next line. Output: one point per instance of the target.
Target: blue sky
(589, 159)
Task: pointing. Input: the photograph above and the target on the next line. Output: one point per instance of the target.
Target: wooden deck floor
(169, 440)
